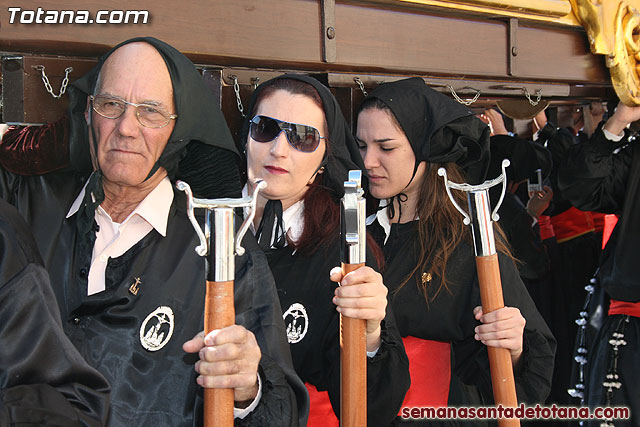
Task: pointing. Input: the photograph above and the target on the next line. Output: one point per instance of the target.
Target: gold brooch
(426, 277)
(134, 288)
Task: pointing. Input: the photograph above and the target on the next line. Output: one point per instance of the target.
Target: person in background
(43, 378)
(603, 175)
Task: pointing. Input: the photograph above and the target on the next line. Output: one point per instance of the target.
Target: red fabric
(546, 228)
(598, 221)
(572, 223)
(320, 411)
(610, 221)
(35, 150)
(622, 307)
(430, 369)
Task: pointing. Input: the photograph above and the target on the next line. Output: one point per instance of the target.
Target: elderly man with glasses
(120, 249)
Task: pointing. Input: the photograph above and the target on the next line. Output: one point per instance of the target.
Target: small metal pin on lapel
(426, 278)
(134, 288)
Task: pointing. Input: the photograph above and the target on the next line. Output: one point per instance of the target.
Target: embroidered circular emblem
(297, 322)
(157, 328)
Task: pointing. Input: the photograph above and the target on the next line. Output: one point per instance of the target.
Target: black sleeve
(284, 401)
(388, 376)
(534, 371)
(594, 175)
(558, 142)
(43, 379)
(523, 238)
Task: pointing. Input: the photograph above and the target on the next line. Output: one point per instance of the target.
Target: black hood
(439, 129)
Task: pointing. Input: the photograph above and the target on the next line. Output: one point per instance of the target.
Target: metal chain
(254, 82)
(466, 102)
(538, 94)
(360, 85)
(47, 85)
(236, 89)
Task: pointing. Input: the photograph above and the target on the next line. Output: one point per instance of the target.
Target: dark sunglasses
(301, 137)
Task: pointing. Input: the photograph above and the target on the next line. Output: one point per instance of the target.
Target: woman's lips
(276, 170)
(375, 178)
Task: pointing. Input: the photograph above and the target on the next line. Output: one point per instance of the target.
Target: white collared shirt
(114, 239)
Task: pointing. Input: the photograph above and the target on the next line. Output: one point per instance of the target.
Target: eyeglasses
(301, 137)
(150, 116)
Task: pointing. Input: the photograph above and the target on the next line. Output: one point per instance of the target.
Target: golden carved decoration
(556, 11)
(613, 29)
(556, 8)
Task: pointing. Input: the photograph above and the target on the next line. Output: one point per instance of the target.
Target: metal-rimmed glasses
(150, 116)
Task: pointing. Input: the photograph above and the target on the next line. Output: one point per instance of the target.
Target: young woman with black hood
(406, 131)
(298, 142)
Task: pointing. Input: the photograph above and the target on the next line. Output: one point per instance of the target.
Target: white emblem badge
(157, 328)
(297, 322)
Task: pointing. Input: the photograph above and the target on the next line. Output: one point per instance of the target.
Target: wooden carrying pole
(502, 379)
(219, 245)
(353, 342)
(480, 218)
(219, 311)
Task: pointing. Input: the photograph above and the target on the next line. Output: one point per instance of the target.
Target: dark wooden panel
(25, 99)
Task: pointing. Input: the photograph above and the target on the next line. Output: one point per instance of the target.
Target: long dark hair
(321, 202)
(440, 226)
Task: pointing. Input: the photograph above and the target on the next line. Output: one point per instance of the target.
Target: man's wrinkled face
(127, 150)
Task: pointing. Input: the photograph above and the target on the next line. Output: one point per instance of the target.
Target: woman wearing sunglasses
(406, 131)
(298, 142)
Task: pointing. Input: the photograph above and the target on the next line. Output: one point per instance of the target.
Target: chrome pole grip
(353, 220)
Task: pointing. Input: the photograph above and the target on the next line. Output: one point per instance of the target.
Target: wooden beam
(370, 37)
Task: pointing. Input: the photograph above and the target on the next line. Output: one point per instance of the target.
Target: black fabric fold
(271, 217)
(43, 378)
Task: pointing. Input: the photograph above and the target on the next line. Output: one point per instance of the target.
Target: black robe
(153, 387)
(43, 378)
(604, 176)
(449, 317)
(303, 285)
